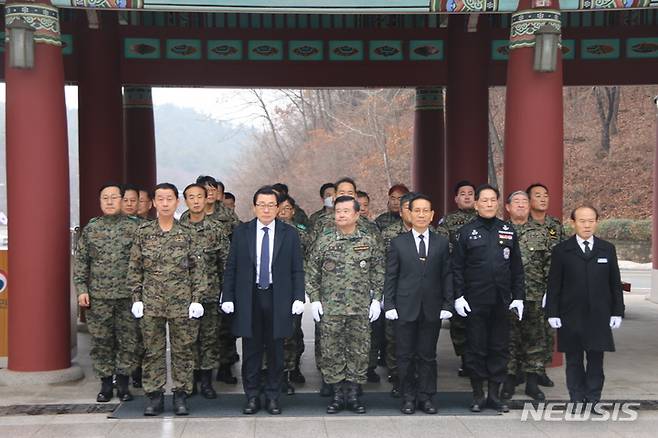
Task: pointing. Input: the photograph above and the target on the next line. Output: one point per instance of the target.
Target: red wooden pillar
(429, 146)
(37, 150)
(139, 136)
(467, 104)
(100, 111)
(533, 110)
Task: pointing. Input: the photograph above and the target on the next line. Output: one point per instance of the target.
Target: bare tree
(607, 105)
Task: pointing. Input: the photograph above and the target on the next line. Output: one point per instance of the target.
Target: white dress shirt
(259, 244)
(580, 241)
(426, 238)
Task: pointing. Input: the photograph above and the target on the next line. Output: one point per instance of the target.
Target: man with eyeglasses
(393, 213)
(99, 275)
(263, 289)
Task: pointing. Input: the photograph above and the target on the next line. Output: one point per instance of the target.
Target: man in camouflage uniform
(326, 223)
(327, 194)
(539, 200)
(130, 201)
(393, 214)
(100, 269)
(527, 337)
(448, 226)
(211, 240)
(300, 216)
(344, 267)
(167, 279)
(389, 233)
(145, 204)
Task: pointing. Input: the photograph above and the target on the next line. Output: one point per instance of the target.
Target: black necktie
(587, 250)
(264, 271)
(422, 251)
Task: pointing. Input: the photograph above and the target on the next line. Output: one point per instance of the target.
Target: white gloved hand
(196, 310)
(445, 314)
(555, 323)
(137, 309)
(316, 310)
(391, 315)
(297, 307)
(518, 305)
(461, 306)
(307, 299)
(375, 310)
(615, 322)
(228, 307)
(543, 302)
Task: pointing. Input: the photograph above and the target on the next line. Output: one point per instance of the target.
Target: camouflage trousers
(527, 340)
(139, 345)
(183, 333)
(458, 334)
(206, 350)
(318, 349)
(549, 337)
(226, 340)
(345, 343)
(113, 336)
(293, 347)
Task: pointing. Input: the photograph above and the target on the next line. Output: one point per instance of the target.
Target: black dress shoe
(408, 407)
(252, 406)
(427, 406)
(273, 407)
(180, 404)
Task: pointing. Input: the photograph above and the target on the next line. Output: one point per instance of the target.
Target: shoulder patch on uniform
(301, 227)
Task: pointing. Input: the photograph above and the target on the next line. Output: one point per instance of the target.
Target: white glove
(196, 310)
(615, 322)
(297, 307)
(137, 309)
(228, 307)
(316, 310)
(461, 306)
(307, 299)
(445, 314)
(375, 310)
(391, 315)
(518, 305)
(543, 302)
(555, 323)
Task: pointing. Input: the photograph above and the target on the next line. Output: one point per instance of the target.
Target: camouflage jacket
(315, 215)
(451, 222)
(304, 236)
(343, 270)
(535, 245)
(211, 240)
(221, 214)
(554, 227)
(386, 219)
(166, 272)
(326, 222)
(102, 255)
(392, 231)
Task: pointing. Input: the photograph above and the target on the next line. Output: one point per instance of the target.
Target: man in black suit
(585, 303)
(263, 280)
(418, 294)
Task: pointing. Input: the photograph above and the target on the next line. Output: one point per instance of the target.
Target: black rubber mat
(302, 405)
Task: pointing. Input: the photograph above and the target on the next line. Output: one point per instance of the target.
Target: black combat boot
(154, 404)
(508, 387)
(206, 390)
(338, 401)
(137, 377)
(296, 376)
(180, 405)
(196, 377)
(325, 389)
(122, 388)
(286, 386)
(493, 398)
(532, 388)
(224, 374)
(372, 376)
(107, 390)
(544, 380)
(352, 399)
(478, 395)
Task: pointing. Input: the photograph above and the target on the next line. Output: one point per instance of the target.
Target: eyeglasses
(264, 206)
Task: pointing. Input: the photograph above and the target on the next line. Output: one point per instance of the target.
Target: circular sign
(3, 281)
